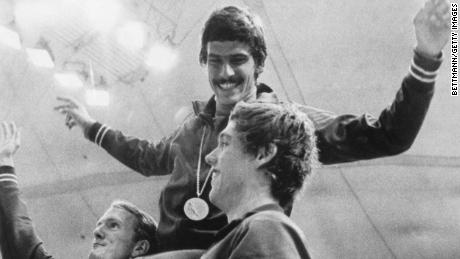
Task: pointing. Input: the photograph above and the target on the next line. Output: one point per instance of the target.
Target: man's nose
(211, 158)
(99, 232)
(227, 71)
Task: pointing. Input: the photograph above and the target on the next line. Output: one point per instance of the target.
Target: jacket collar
(207, 110)
(235, 223)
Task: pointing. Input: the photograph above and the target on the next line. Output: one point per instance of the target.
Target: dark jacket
(265, 232)
(17, 235)
(341, 138)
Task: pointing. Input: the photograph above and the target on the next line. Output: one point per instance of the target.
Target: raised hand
(10, 140)
(76, 113)
(432, 27)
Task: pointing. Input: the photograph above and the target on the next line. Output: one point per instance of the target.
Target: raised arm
(140, 155)
(17, 235)
(348, 137)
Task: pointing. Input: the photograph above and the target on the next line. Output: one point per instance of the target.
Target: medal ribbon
(198, 191)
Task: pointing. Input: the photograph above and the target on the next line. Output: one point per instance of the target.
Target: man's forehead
(228, 48)
(114, 213)
(229, 131)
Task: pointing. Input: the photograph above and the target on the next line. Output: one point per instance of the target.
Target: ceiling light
(132, 35)
(161, 57)
(103, 14)
(35, 14)
(6, 12)
(40, 57)
(97, 97)
(9, 38)
(68, 80)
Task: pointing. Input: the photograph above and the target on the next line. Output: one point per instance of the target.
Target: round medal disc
(196, 209)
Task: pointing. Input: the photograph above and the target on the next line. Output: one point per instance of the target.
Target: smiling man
(233, 51)
(260, 164)
(123, 231)
(231, 73)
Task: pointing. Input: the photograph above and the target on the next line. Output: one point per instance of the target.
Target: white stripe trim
(8, 175)
(423, 71)
(9, 180)
(424, 80)
(98, 132)
(103, 135)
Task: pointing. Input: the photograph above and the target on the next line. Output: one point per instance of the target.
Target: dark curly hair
(259, 124)
(146, 226)
(233, 23)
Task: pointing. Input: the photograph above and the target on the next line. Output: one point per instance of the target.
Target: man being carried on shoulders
(233, 50)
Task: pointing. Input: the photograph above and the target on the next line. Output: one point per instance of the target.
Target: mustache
(229, 80)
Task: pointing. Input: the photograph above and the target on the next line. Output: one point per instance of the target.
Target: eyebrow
(212, 55)
(236, 55)
(111, 219)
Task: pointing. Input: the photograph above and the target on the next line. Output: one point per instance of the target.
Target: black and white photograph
(234, 129)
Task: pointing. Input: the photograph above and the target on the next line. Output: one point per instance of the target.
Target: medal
(196, 208)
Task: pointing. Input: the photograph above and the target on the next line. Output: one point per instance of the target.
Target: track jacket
(17, 235)
(341, 138)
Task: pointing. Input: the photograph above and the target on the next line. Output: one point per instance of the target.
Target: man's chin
(95, 254)
(229, 99)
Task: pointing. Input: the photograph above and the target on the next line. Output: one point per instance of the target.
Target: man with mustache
(123, 231)
(233, 50)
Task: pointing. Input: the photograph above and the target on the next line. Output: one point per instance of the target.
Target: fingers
(72, 124)
(8, 131)
(68, 109)
(69, 121)
(15, 136)
(65, 108)
(4, 131)
(438, 7)
(68, 102)
(17, 139)
(13, 129)
(67, 99)
(435, 12)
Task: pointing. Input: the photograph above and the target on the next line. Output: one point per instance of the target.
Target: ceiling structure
(339, 56)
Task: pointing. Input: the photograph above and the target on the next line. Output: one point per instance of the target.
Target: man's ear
(140, 248)
(266, 154)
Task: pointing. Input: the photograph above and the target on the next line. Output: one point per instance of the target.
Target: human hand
(432, 27)
(10, 140)
(76, 113)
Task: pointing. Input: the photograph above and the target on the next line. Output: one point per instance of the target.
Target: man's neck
(223, 109)
(249, 204)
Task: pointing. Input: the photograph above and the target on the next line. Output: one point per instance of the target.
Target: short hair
(146, 226)
(259, 124)
(234, 23)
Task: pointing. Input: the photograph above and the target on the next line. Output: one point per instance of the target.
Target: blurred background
(134, 64)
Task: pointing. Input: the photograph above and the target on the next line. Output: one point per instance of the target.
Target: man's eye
(238, 61)
(113, 225)
(213, 61)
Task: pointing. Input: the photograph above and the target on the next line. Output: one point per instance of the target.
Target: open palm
(432, 29)
(9, 139)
